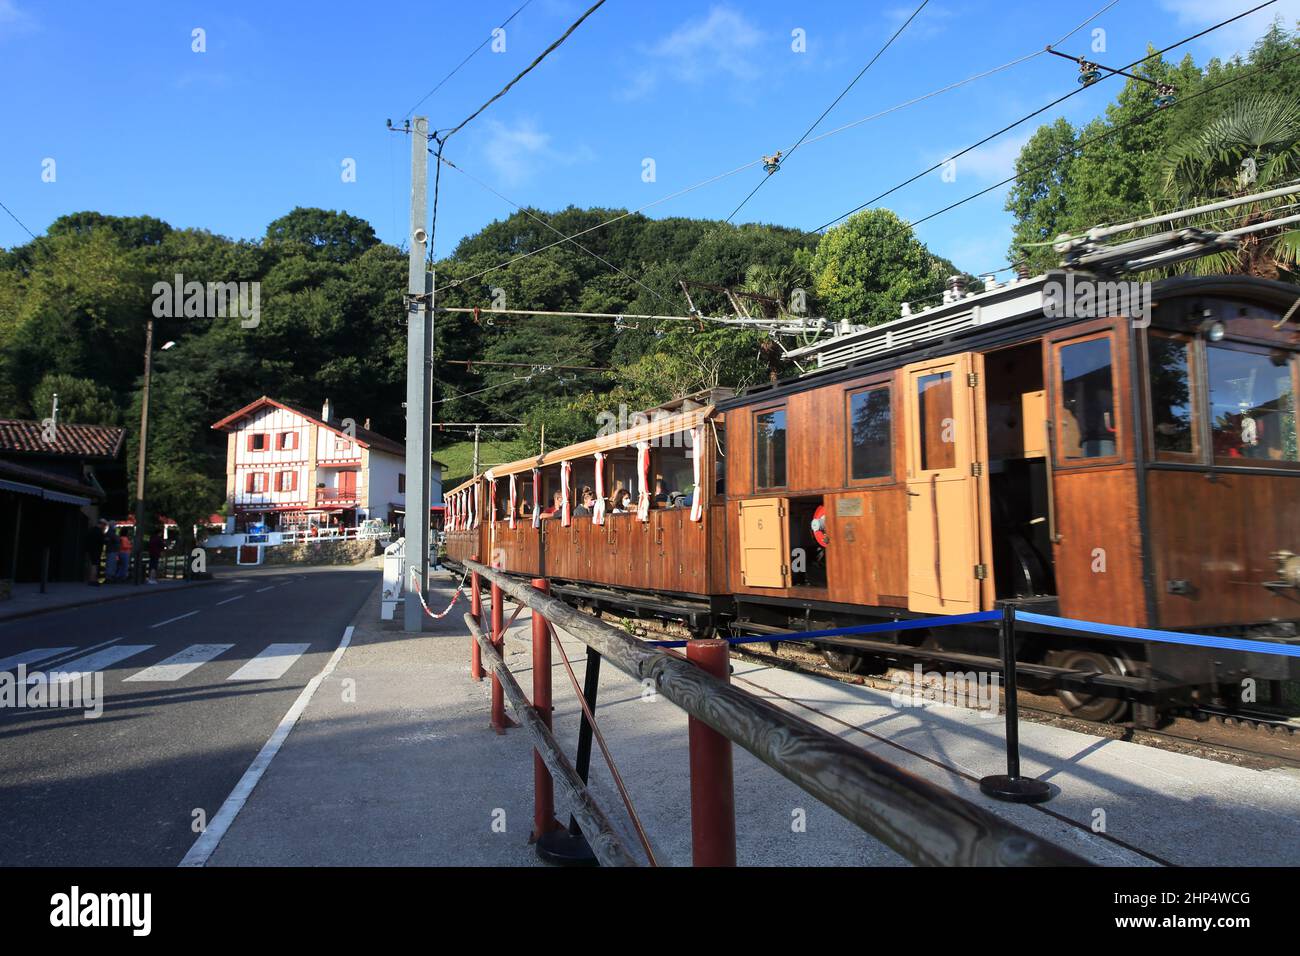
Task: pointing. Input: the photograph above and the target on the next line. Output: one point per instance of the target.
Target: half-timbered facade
(288, 466)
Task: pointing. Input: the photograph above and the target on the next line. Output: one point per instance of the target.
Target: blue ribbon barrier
(1164, 637)
(978, 617)
(1065, 623)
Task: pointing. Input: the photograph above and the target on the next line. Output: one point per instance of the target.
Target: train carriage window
(934, 405)
(1173, 405)
(1252, 404)
(870, 436)
(1086, 389)
(769, 449)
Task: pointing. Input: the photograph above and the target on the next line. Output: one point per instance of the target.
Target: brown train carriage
(668, 565)
(982, 452)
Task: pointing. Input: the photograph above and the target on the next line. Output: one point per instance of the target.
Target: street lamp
(136, 552)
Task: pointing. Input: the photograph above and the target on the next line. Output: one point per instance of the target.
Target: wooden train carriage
(657, 561)
(988, 451)
(1001, 447)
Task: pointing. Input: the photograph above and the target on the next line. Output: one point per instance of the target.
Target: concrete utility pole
(419, 381)
(137, 537)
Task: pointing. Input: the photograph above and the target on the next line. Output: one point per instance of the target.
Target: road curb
(101, 600)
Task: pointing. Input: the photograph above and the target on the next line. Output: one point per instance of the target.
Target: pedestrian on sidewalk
(124, 557)
(155, 555)
(112, 551)
(94, 550)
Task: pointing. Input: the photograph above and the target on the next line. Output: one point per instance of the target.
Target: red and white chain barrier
(419, 592)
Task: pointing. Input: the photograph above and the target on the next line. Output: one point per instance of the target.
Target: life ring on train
(819, 526)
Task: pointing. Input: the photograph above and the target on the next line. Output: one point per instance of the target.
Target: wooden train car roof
(657, 427)
(976, 321)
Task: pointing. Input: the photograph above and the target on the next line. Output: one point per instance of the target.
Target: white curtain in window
(643, 480)
(598, 509)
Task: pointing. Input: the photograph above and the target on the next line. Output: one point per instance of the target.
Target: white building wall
(382, 483)
(272, 422)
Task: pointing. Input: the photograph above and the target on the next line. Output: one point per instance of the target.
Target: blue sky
(231, 138)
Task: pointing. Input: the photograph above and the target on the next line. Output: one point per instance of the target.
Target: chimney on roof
(325, 410)
(366, 426)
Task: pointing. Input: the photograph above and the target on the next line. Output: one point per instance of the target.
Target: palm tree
(1253, 146)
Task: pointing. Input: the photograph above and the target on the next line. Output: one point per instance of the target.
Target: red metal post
(713, 795)
(498, 641)
(543, 786)
(476, 609)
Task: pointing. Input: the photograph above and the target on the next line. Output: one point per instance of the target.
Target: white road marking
(237, 597)
(260, 590)
(271, 663)
(180, 664)
(173, 620)
(98, 661)
(27, 657)
(208, 840)
(80, 650)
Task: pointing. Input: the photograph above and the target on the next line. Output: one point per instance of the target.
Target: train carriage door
(947, 500)
(764, 561)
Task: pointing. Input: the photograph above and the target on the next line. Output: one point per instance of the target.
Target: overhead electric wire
(471, 55)
(960, 83)
(755, 162)
(17, 220)
(538, 219)
(1029, 116)
(843, 93)
(1135, 121)
(526, 70)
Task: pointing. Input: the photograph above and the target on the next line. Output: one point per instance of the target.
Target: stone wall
(309, 552)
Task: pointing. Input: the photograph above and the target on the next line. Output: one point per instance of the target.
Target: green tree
(865, 268)
(1253, 146)
(82, 401)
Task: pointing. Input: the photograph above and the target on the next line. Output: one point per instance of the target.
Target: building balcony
(338, 496)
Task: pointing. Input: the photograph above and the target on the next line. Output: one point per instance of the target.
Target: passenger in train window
(557, 505)
(622, 502)
(661, 493)
(614, 495)
(588, 502)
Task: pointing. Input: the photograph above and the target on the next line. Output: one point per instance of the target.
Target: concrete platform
(393, 763)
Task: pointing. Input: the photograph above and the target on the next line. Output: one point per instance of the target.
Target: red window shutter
(250, 441)
(293, 481)
(248, 483)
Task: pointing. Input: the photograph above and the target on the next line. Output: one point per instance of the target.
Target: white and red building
(289, 467)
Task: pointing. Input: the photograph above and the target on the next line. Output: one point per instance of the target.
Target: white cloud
(1237, 37)
(517, 152)
(993, 161)
(723, 44)
(13, 21)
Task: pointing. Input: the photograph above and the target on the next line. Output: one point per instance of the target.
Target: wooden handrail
(921, 821)
(604, 841)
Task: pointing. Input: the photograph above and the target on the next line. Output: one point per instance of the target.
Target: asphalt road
(194, 682)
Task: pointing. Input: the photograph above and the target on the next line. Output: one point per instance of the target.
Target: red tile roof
(78, 441)
(364, 436)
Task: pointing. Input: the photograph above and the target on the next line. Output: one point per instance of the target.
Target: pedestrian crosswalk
(271, 663)
(178, 665)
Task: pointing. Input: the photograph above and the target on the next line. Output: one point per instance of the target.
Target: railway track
(1258, 741)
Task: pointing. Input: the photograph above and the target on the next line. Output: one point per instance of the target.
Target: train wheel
(1081, 703)
(852, 662)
